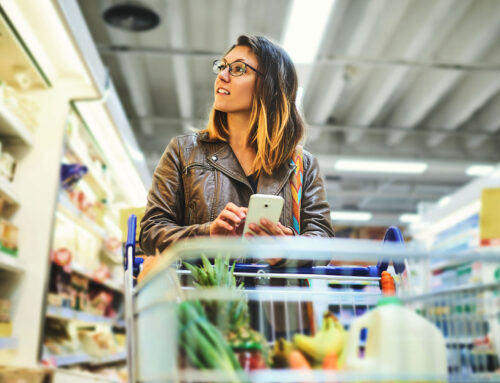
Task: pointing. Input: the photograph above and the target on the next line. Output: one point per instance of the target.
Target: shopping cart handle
(393, 235)
(357, 271)
(130, 247)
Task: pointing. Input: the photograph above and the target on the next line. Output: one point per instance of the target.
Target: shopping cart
(466, 315)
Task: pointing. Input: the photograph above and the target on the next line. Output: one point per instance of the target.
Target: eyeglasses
(236, 68)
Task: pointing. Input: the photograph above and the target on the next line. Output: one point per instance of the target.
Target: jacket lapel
(272, 184)
(223, 159)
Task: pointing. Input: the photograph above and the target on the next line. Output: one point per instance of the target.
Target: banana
(281, 352)
(329, 340)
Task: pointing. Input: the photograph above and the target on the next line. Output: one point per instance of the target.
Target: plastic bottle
(393, 341)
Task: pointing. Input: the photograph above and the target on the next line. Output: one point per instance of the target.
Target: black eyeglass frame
(229, 65)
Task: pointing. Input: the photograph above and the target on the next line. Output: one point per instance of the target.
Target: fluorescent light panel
(479, 170)
(444, 201)
(351, 216)
(409, 218)
(369, 166)
(305, 28)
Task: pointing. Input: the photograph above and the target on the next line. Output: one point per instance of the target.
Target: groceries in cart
(210, 319)
(218, 333)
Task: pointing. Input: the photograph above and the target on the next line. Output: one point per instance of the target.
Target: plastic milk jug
(393, 341)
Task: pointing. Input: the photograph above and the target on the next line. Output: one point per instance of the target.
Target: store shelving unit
(65, 313)
(18, 139)
(69, 360)
(69, 210)
(79, 269)
(8, 192)
(10, 263)
(53, 76)
(12, 126)
(80, 148)
(8, 343)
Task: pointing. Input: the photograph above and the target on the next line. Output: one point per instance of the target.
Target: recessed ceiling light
(409, 218)
(370, 166)
(479, 170)
(350, 215)
(131, 17)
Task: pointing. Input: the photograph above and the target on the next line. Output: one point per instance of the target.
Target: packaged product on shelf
(65, 236)
(21, 105)
(59, 287)
(7, 165)
(79, 292)
(100, 300)
(5, 323)
(97, 343)
(8, 237)
(88, 249)
(58, 339)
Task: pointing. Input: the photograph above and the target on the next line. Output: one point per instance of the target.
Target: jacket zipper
(216, 195)
(190, 166)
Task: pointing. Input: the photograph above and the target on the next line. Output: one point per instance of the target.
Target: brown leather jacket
(196, 178)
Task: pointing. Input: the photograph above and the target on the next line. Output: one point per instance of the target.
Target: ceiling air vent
(132, 17)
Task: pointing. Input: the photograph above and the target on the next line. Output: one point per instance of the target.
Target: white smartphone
(263, 206)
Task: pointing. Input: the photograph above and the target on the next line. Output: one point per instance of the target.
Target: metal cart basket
(466, 314)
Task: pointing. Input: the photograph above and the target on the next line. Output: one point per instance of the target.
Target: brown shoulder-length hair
(276, 127)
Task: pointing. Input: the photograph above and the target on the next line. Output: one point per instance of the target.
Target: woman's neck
(238, 124)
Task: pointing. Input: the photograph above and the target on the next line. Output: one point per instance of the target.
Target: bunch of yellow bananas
(329, 340)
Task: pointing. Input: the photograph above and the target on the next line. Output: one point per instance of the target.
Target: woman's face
(235, 94)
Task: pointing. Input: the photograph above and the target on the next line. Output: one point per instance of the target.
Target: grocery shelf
(109, 359)
(446, 264)
(70, 314)
(67, 360)
(68, 209)
(8, 191)
(8, 343)
(10, 263)
(79, 269)
(12, 126)
(94, 181)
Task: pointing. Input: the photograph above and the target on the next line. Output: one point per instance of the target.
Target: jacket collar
(222, 157)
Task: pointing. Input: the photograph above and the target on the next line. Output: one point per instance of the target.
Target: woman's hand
(268, 229)
(230, 221)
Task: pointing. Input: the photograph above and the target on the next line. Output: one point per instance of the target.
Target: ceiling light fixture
(131, 17)
(409, 218)
(444, 200)
(369, 166)
(305, 28)
(351, 216)
(479, 170)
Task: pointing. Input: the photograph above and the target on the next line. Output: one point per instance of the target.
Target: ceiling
(393, 79)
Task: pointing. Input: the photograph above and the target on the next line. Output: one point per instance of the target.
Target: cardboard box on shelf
(8, 236)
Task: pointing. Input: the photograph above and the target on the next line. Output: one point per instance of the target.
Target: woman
(203, 182)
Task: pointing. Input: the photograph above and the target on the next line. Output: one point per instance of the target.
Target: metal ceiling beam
(487, 119)
(359, 60)
(456, 110)
(183, 84)
(381, 88)
(321, 102)
(459, 108)
(475, 38)
(386, 29)
(137, 82)
(237, 20)
(332, 128)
